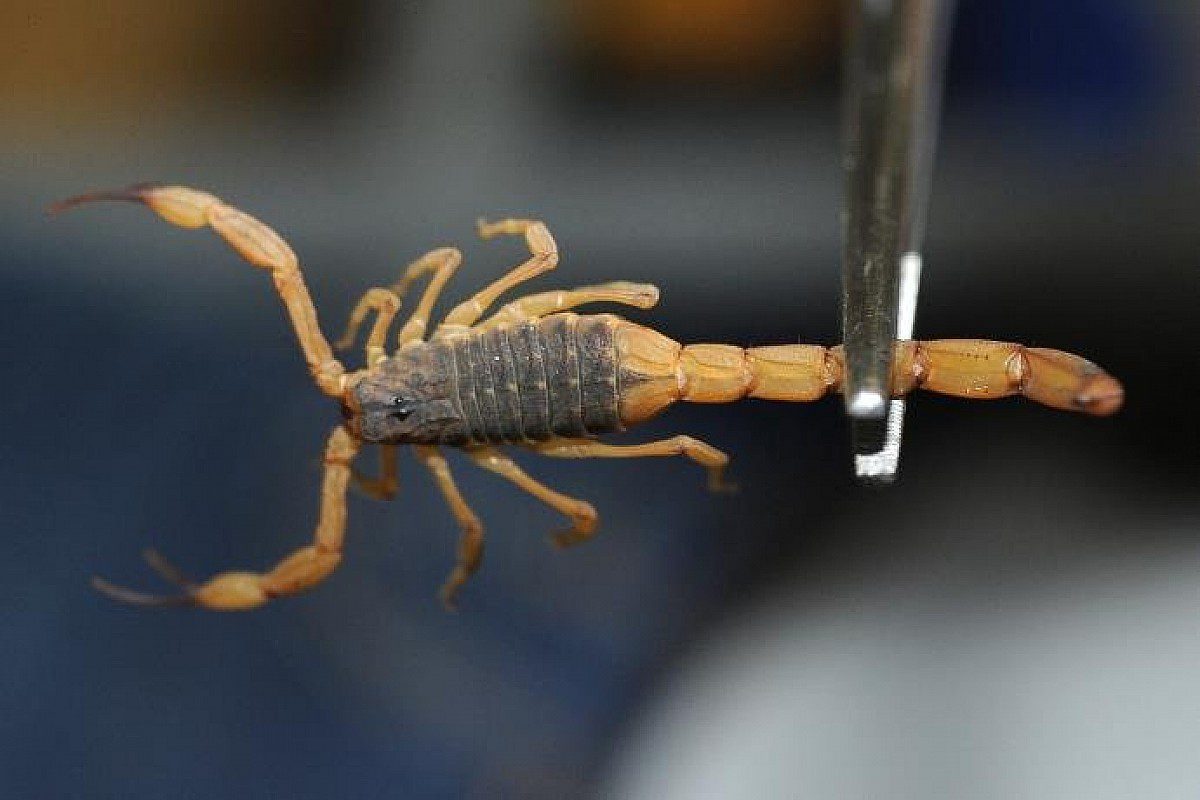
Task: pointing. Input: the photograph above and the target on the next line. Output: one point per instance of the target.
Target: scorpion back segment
(536, 376)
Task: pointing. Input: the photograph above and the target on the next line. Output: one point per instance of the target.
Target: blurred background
(1016, 617)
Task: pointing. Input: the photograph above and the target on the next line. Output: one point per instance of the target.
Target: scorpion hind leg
(584, 519)
(713, 460)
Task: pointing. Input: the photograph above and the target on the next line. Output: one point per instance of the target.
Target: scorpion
(535, 375)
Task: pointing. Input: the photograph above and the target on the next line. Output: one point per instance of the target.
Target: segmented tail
(658, 371)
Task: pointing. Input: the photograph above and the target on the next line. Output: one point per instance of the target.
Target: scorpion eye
(400, 408)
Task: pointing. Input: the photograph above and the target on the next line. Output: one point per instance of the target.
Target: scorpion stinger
(537, 376)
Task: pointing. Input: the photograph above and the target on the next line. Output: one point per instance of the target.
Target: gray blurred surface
(999, 648)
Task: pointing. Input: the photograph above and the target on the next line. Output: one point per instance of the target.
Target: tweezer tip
(867, 404)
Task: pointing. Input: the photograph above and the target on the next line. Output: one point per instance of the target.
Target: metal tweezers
(894, 64)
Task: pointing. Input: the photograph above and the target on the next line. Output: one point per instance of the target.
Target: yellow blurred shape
(74, 60)
(681, 38)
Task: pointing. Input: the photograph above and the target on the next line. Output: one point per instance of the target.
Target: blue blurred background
(1017, 616)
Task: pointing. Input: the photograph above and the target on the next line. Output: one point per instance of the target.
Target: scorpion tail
(975, 369)
(657, 371)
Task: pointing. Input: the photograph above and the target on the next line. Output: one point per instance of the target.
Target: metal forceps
(894, 64)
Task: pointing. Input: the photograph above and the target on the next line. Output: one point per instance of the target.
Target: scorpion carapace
(535, 375)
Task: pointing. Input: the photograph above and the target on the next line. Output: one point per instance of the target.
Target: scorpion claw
(135, 194)
(166, 569)
(449, 597)
(134, 598)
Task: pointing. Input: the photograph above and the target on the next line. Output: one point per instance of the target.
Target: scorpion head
(402, 403)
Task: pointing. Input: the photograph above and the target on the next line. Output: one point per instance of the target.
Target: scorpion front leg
(581, 513)
(713, 460)
(255, 242)
(470, 543)
(387, 483)
(386, 305)
(443, 263)
(303, 569)
(386, 300)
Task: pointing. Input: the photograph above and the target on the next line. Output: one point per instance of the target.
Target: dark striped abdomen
(555, 376)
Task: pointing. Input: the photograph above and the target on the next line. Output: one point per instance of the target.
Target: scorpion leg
(543, 258)
(386, 304)
(639, 295)
(255, 242)
(704, 454)
(470, 542)
(386, 301)
(583, 516)
(387, 484)
(303, 569)
(443, 263)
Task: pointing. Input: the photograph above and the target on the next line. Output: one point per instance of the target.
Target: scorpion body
(567, 375)
(538, 376)
(514, 384)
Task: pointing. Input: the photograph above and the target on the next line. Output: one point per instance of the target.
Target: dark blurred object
(1086, 68)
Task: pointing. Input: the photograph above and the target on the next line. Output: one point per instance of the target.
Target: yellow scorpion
(535, 375)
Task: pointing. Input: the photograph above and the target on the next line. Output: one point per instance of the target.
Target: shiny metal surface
(895, 59)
